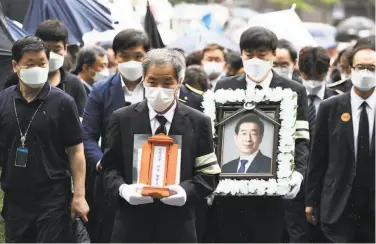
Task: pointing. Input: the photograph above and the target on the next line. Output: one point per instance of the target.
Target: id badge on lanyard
(22, 152)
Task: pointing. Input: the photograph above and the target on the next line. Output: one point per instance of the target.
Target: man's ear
(16, 69)
(65, 50)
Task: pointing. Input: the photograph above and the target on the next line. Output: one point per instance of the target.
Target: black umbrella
(6, 43)
(152, 30)
(353, 28)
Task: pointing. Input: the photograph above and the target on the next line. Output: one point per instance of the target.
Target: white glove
(295, 183)
(178, 199)
(210, 199)
(132, 194)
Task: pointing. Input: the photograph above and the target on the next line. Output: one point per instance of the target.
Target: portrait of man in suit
(249, 132)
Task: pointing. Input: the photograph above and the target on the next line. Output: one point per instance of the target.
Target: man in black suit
(171, 219)
(340, 192)
(300, 231)
(251, 219)
(249, 132)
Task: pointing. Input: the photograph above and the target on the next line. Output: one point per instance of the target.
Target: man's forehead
(366, 56)
(249, 125)
(215, 53)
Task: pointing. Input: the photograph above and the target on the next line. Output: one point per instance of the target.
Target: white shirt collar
(169, 115)
(357, 101)
(265, 83)
(250, 157)
(321, 93)
(125, 88)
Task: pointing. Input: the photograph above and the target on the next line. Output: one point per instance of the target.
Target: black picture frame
(268, 107)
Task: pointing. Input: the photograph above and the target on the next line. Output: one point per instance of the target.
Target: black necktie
(162, 122)
(258, 87)
(363, 152)
(311, 113)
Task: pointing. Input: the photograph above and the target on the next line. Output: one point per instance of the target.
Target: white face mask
(56, 61)
(363, 80)
(102, 75)
(284, 72)
(131, 70)
(256, 68)
(34, 77)
(313, 86)
(160, 98)
(213, 67)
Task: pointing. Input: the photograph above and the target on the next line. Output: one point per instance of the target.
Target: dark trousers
(246, 219)
(299, 229)
(351, 229)
(48, 221)
(150, 224)
(201, 217)
(103, 213)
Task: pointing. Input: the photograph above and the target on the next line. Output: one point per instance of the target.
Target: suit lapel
(327, 94)
(345, 111)
(142, 121)
(276, 81)
(241, 82)
(117, 93)
(254, 168)
(179, 123)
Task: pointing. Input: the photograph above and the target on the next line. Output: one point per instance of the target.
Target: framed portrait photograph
(254, 134)
(247, 143)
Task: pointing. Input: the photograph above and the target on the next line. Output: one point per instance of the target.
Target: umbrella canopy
(194, 41)
(6, 43)
(286, 24)
(354, 28)
(79, 16)
(16, 31)
(323, 34)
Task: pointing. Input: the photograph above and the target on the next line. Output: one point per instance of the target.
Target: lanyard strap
(23, 136)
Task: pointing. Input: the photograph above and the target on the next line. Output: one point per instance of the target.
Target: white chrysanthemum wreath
(286, 146)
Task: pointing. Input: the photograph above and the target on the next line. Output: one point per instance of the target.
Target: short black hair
(130, 38)
(195, 75)
(234, 60)
(250, 118)
(285, 44)
(193, 58)
(28, 44)
(366, 41)
(314, 62)
(88, 55)
(256, 38)
(52, 30)
(362, 44)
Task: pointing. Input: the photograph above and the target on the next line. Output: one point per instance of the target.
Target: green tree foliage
(303, 4)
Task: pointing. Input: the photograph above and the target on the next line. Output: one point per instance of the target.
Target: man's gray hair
(163, 56)
(88, 55)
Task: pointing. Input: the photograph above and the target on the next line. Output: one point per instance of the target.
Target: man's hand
(311, 215)
(295, 183)
(80, 207)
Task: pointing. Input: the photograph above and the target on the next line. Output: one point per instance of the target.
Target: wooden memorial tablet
(158, 165)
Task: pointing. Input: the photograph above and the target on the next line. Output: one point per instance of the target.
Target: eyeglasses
(370, 68)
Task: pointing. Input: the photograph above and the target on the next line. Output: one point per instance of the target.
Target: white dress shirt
(319, 97)
(169, 115)
(250, 159)
(265, 83)
(356, 109)
(133, 97)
